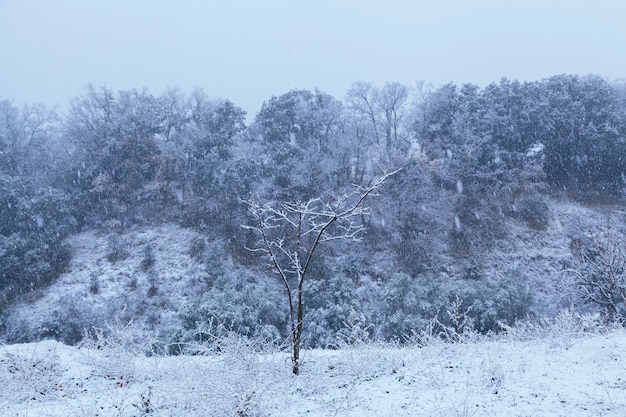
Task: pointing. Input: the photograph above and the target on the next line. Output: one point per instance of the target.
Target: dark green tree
(200, 155)
(115, 138)
(584, 134)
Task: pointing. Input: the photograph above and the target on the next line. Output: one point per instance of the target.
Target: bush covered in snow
(233, 305)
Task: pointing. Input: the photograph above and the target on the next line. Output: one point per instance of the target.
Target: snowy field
(569, 374)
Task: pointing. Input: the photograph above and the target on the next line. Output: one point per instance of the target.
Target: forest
(474, 168)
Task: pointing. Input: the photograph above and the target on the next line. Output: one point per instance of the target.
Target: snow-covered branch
(290, 233)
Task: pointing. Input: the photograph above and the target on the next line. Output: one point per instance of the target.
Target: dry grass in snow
(565, 374)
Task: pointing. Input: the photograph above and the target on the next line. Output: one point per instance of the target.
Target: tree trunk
(298, 334)
(296, 358)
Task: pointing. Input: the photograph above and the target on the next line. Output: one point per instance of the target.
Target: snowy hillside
(143, 274)
(567, 374)
(148, 274)
(544, 256)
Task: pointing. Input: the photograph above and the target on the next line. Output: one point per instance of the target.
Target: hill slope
(141, 274)
(149, 274)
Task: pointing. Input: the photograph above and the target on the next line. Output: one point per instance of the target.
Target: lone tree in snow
(602, 278)
(291, 232)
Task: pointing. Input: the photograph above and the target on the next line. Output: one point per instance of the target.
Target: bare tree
(391, 99)
(25, 134)
(602, 279)
(379, 113)
(362, 100)
(290, 234)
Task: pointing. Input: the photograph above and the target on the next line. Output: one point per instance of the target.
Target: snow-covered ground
(569, 374)
(560, 370)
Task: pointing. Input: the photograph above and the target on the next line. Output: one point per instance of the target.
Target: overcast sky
(249, 50)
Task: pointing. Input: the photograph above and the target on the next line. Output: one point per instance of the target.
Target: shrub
(535, 212)
(153, 278)
(94, 283)
(197, 248)
(148, 258)
(477, 225)
(493, 301)
(69, 320)
(601, 280)
(407, 306)
(214, 259)
(246, 308)
(413, 305)
(565, 326)
(330, 307)
(212, 255)
(117, 248)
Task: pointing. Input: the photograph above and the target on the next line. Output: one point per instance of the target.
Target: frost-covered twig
(290, 234)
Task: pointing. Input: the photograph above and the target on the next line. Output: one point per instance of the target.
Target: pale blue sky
(247, 50)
